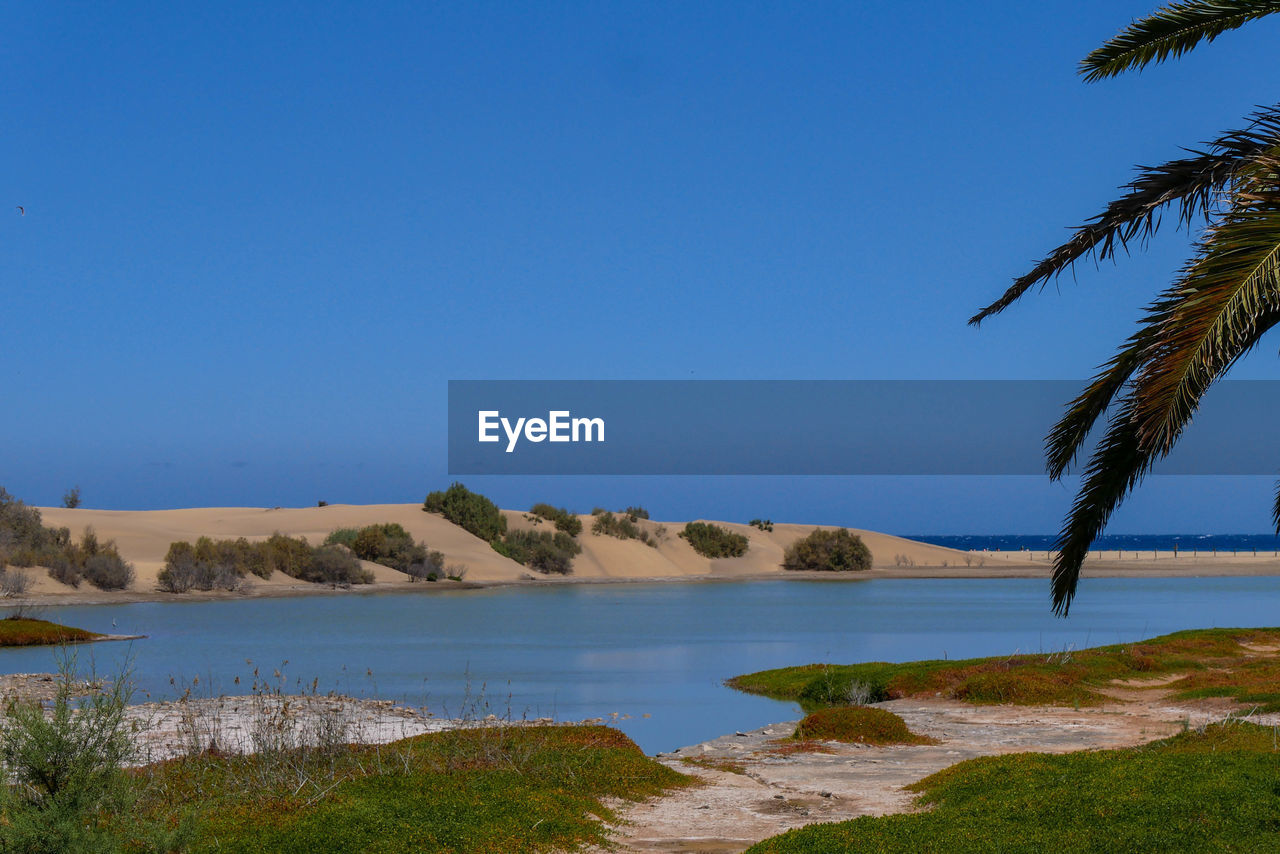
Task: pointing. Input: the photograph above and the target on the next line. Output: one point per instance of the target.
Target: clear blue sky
(260, 238)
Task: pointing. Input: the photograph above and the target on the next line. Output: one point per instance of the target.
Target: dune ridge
(143, 537)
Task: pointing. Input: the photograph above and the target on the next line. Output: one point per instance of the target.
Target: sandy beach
(143, 537)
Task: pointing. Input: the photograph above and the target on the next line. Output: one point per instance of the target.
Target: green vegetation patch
(24, 631)
(857, 725)
(1196, 792)
(469, 510)
(1216, 660)
(492, 790)
(828, 551)
(626, 526)
(1252, 683)
(564, 521)
(541, 550)
(391, 545)
(210, 564)
(713, 541)
(25, 541)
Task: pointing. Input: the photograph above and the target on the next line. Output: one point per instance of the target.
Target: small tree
(468, 510)
(67, 768)
(71, 498)
(712, 541)
(828, 551)
(337, 567)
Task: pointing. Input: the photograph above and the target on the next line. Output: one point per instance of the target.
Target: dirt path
(768, 793)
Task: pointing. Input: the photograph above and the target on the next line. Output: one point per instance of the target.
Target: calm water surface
(584, 651)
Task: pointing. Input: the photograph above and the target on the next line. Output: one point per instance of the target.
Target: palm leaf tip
(1192, 185)
(1170, 32)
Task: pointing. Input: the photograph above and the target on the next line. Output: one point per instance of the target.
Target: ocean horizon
(1109, 542)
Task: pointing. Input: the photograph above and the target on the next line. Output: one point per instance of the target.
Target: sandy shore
(143, 538)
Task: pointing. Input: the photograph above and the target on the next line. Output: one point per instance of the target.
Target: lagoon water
(583, 651)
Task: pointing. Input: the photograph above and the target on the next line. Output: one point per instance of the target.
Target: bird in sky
(22, 211)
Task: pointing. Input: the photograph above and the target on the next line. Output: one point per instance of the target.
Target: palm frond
(1171, 32)
(1275, 509)
(1228, 296)
(1067, 436)
(1195, 183)
(1117, 465)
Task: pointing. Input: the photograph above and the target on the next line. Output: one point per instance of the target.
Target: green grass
(857, 725)
(481, 790)
(1214, 660)
(1213, 791)
(23, 631)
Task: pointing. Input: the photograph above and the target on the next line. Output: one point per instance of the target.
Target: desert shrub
(90, 560)
(26, 542)
(14, 582)
(564, 521)
(334, 565)
(342, 537)
(24, 539)
(455, 571)
(287, 555)
(607, 524)
(541, 550)
(68, 767)
(598, 511)
(388, 544)
(625, 528)
(205, 566)
(546, 511)
(106, 570)
(636, 513)
(762, 524)
(337, 567)
(469, 510)
(64, 570)
(179, 574)
(828, 551)
(713, 541)
(430, 567)
(68, 788)
(238, 557)
(71, 498)
(210, 564)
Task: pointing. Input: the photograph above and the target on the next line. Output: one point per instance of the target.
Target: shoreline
(1142, 568)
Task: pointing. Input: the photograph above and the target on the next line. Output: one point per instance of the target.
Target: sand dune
(144, 536)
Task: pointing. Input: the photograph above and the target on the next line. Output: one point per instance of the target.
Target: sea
(1230, 543)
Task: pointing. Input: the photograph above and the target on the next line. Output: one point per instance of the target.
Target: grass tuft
(857, 725)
